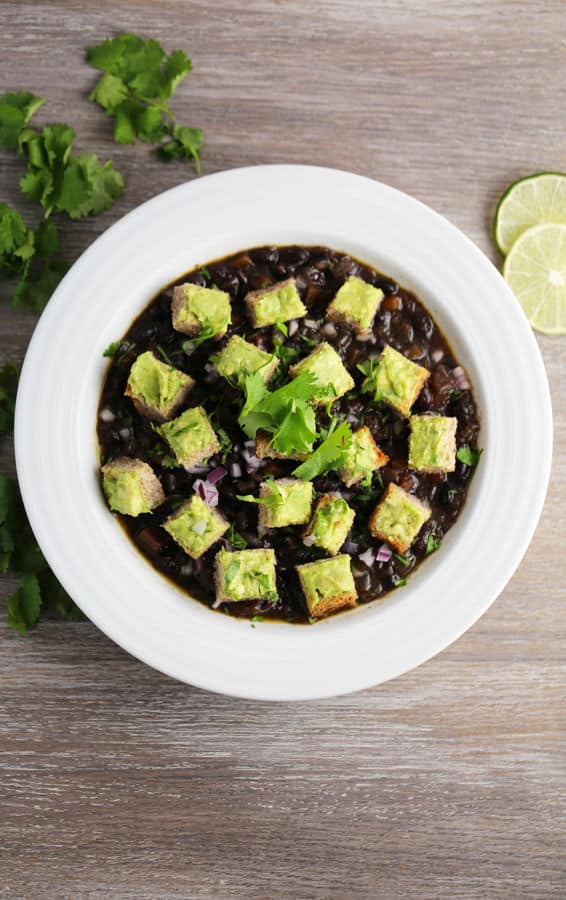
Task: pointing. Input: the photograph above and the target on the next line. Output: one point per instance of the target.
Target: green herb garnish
(468, 455)
(432, 543)
(330, 454)
(138, 80)
(235, 539)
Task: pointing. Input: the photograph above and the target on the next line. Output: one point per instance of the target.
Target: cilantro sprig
(284, 413)
(468, 455)
(59, 181)
(137, 81)
(19, 552)
(330, 454)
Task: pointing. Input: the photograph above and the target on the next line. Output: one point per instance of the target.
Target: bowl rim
(269, 663)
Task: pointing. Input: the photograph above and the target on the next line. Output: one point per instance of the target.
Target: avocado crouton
(432, 443)
(191, 437)
(131, 486)
(195, 526)
(332, 520)
(278, 302)
(398, 518)
(197, 311)
(395, 380)
(355, 304)
(156, 389)
(328, 585)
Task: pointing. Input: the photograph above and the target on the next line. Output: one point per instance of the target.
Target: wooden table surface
(448, 782)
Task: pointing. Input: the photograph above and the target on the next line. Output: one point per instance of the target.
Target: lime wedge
(530, 201)
(535, 270)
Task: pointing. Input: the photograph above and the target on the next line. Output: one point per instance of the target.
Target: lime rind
(535, 270)
(533, 200)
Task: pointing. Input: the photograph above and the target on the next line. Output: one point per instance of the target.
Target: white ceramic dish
(57, 455)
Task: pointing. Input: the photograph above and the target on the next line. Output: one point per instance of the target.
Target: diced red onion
(216, 474)
(368, 557)
(200, 526)
(437, 355)
(460, 378)
(206, 491)
(350, 547)
(367, 337)
(308, 540)
(329, 329)
(384, 553)
(310, 323)
(106, 415)
(236, 470)
(292, 327)
(251, 459)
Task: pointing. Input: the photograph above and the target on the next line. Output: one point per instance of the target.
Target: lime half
(535, 270)
(530, 201)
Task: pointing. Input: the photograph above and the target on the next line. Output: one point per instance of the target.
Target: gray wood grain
(449, 782)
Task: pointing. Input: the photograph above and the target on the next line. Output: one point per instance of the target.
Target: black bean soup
(402, 322)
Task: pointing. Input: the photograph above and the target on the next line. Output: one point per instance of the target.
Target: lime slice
(535, 270)
(527, 202)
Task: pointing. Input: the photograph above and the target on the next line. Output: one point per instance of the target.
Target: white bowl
(57, 454)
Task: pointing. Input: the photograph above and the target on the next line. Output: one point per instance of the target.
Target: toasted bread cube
(395, 380)
(328, 585)
(398, 518)
(362, 458)
(330, 524)
(130, 486)
(195, 526)
(240, 358)
(156, 389)
(290, 502)
(277, 303)
(355, 304)
(432, 443)
(264, 449)
(196, 309)
(191, 437)
(245, 575)
(328, 370)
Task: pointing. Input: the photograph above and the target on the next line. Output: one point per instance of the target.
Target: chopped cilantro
(397, 581)
(404, 560)
(432, 543)
(282, 327)
(258, 619)
(137, 81)
(118, 349)
(235, 539)
(205, 273)
(469, 455)
(328, 455)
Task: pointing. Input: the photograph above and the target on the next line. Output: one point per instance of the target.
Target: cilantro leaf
(468, 455)
(285, 412)
(137, 81)
(328, 455)
(432, 543)
(297, 432)
(24, 604)
(38, 588)
(8, 384)
(15, 112)
(235, 539)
